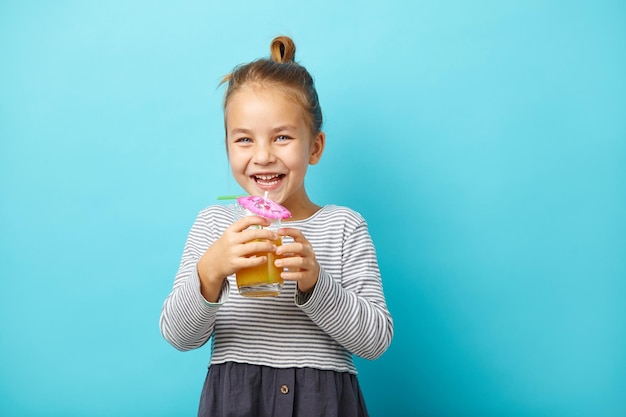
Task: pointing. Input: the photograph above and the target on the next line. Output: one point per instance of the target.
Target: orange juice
(263, 280)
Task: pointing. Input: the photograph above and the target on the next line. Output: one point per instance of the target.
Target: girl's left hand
(299, 258)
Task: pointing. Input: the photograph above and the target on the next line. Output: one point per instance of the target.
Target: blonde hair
(283, 72)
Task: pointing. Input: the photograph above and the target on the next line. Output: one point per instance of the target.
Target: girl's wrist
(210, 287)
(307, 288)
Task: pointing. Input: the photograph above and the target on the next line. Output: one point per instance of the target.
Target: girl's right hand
(233, 251)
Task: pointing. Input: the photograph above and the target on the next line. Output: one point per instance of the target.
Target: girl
(290, 355)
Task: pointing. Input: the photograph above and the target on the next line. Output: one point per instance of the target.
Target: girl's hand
(299, 258)
(232, 252)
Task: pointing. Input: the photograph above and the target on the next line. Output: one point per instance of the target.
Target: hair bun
(283, 49)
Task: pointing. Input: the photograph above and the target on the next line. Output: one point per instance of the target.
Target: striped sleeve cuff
(224, 293)
(309, 301)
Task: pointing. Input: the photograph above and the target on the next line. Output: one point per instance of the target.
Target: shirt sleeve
(352, 309)
(187, 319)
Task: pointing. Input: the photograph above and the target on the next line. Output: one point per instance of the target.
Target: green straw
(229, 197)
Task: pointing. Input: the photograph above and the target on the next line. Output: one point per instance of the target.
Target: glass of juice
(263, 280)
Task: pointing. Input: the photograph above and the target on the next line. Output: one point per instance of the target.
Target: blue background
(484, 141)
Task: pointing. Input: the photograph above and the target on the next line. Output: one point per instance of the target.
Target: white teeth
(266, 177)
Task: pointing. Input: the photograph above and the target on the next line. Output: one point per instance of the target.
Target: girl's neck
(302, 209)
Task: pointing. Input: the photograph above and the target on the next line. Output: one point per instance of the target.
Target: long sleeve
(345, 315)
(187, 319)
(352, 310)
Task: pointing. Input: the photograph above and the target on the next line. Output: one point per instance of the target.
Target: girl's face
(270, 146)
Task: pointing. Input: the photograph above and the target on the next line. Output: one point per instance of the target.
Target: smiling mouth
(268, 180)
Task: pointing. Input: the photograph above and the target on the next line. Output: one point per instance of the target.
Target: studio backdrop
(483, 141)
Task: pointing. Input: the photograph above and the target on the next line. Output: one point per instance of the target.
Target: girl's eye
(243, 140)
(282, 138)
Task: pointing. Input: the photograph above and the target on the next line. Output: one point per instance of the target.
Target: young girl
(290, 355)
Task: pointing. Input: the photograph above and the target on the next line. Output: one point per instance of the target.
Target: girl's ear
(317, 148)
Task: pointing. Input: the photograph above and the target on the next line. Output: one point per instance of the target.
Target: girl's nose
(263, 155)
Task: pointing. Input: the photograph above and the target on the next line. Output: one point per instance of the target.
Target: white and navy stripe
(346, 313)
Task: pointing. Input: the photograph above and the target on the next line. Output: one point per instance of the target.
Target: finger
(249, 221)
(255, 248)
(250, 262)
(258, 234)
(294, 249)
(296, 263)
(296, 234)
(292, 275)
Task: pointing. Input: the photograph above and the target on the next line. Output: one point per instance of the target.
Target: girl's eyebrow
(283, 128)
(239, 130)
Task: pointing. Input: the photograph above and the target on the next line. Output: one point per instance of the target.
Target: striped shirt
(345, 314)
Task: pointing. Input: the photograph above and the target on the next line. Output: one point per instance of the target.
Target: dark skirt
(237, 390)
